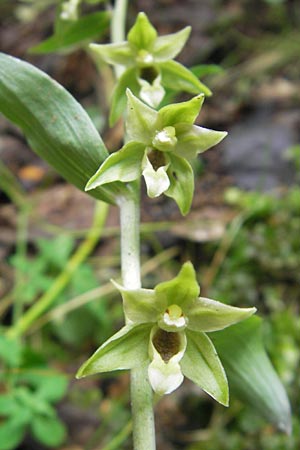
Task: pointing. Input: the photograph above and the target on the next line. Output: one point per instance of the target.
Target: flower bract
(167, 332)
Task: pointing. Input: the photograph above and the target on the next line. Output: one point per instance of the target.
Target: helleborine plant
(160, 146)
(166, 330)
(147, 60)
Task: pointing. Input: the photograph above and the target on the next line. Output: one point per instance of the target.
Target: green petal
(126, 349)
(193, 140)
(185, 112)
(209, 315)
(113, 53)
(141, 305)
(142, 35)
(168, 46)
(180, 291)
(181, 176)
(123, 165)
(141, 120)
(119, 99)
(202, 365)
(157, 181)
(178, 78)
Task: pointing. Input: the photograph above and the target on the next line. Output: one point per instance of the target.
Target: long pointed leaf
(250, 373)
(56, 126)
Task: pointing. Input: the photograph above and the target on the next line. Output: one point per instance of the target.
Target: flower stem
(118, 27)
(141, 392)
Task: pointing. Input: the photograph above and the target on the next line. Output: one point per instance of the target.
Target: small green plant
(164, 337)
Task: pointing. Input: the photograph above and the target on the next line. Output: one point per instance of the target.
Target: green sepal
(119, 99)
(184, 112)
(126, 349)
(209, 315)
(140, 121)
(122, 166)
(178, 78)
(193, 140)
(168, 46)
(141, 305)
(113, 53)
(251, 375)
(202, 365)
(56, 126)
(75, 33)
(181, 178)
(142, 35)
(180, 290)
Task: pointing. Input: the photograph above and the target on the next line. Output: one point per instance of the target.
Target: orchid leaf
(55, 125)
(75, 33)
(251, 375)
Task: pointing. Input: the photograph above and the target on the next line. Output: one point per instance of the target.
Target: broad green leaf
(184, 112)
(181, 176)
(250, 373)
(75, 33)
(126, 349)
(168, 46)
(121, 166)
(11, 434)
(202, 365)
(55, 125)
(178, 78)
(48, 430)
(142, 35)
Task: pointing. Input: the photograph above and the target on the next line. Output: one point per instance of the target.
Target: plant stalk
(141, 392)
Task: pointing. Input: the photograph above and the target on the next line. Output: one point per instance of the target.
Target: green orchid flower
(148, 66)
(160, 146)
(166, 331)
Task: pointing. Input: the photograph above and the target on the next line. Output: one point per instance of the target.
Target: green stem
(33, 313)
(118, 27)
(141, 392)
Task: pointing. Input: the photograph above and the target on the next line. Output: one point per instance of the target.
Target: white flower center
(144, 57)
(165, 139)
(173, 319)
